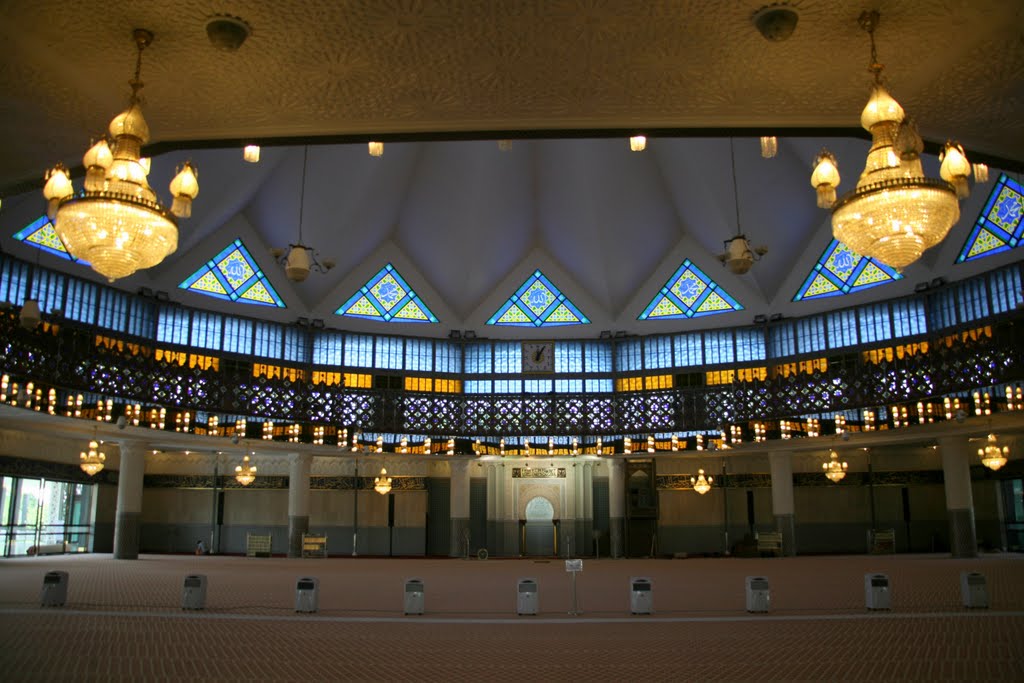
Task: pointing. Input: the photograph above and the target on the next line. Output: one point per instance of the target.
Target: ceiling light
(116, 223)
(227, 32)
(776, 22)
(992, 456)
(376, 149)
(251, 153)
(895, 212)
(739, 256)
(92, 461)
(638, 143)
(382, 484)
(980, 173)
(701, 484)
(245, 473)
(298, 259)
(504, 145)
(769, 146)
(834, 469)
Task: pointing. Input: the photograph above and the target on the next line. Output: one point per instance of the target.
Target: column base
(963, 540)
(297, 525)
(457, 545)
(126, 535)
(616, 536)
(787, 525)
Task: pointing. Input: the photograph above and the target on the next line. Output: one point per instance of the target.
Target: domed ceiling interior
(464, 221)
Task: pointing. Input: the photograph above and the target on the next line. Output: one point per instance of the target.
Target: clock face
(538, 356)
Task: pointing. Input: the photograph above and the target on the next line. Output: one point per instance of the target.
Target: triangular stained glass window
(538, 303)
(40, 234)
(841, 270)
(999, 226)
(234, 275)
(387, 297)
(689, 293)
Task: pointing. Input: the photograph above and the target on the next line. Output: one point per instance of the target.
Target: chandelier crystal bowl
(92, 462)
(116, 222)
(895, 212)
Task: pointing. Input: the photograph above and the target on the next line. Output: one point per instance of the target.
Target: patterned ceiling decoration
(40, 234)
(689, 293)
(841, 270)
(538, 303)
(999, 225)
(386, 297)
(234, 275)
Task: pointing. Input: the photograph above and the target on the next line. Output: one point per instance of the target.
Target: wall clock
(538, 356)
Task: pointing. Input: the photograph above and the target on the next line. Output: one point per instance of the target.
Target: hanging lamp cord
(735, 192)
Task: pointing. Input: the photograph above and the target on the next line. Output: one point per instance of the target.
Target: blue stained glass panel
(840, 270)
(233, 275)
(538, 303)
(999, 226)
(689, 293)
(41, 235)
(387, 297)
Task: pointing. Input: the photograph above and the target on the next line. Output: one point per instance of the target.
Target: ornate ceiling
(464, 222)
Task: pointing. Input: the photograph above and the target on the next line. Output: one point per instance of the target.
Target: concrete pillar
(459, 506)
(127, 522)
(299, 465)
(616, 505)
(782, 499)
(493, 516)
(956, 472)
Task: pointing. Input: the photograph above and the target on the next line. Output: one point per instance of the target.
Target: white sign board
(574, 565)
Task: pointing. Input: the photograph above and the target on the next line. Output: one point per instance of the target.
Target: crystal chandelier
(739, 256)
(92, 461)
(298, 259)
(116, 223)
(834, 469)
(245, 473)
(701, 484)
(992, 456)
(382, 484)
(895, 213)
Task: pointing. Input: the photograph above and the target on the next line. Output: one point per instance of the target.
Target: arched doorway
(539, 530)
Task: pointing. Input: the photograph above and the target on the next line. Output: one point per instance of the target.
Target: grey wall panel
(406, 541)
(439, 521)
(477, 515)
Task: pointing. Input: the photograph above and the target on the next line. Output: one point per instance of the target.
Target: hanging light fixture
(92, 461)
(116, 223)
(298, 259)
(638, 143)
(738, 256)
(382, 484)
(769, 146)
(701, 484)
(992, 455)
(245, 473)
(834, 469)
(251, 153)
(895, 212)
